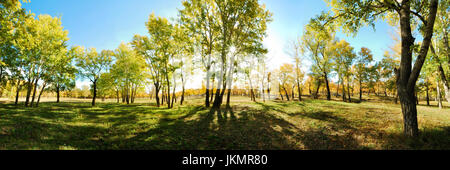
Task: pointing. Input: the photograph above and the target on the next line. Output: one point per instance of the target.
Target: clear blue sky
(104, 24)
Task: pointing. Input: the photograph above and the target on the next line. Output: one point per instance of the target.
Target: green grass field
(311, 124)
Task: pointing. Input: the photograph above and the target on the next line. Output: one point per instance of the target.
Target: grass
(311, 124)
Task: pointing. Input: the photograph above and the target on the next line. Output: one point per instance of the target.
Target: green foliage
(317, 43)
(365, 57)
(90, 63)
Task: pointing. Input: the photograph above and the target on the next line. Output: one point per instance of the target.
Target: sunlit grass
(310, 124)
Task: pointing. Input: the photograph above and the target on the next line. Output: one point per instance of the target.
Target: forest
(139, 95)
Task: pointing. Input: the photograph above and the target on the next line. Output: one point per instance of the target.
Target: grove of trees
(222, 41)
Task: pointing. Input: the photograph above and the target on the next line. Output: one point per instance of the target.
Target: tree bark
(17, 92)
(95, 92)
(445, 81)
(348, 89)
(428, 97)
(407, 77)
(279, 91)
(316, 94)
(299, 91)
(337, 88)
(182, 96)
(328, 87)
(29, 84)
(118, 98)
(34, 91)
(157, 88)
(360, 89)
(57, 93)
(286, 93)
(438, 93)
(343, 91)
(228, 98)
(40, 93)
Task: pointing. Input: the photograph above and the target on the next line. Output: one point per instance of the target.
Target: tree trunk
(173, 95)
(385, 91)
(409, 111)
(168, 92)
(29, 84)
(228, 98)
(299, 91)
(17, 92)
(40, 93)
(95, 93)
(309, 88)
(293, 92)
(328, 87)
(445, 81)
(337, 89)
(396, 98)
(127, 94)
(157, 88)
(279, 91)
(428, 97)
(163, 97)
(123, 95)
(34, 91)
(343, 91)
(316, 94)
(57, 93)
(118, 98)
(348, 89)
(406, 75)
(287, 94)
(438, 89)
(268, 86)
(182, 96)
(360, 89)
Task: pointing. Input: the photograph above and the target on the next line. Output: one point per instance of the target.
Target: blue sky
(104, 24)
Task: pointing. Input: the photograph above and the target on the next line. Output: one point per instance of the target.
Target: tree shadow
(114, 126)
(30, 132)
(434, 106)
(267, 108)
(429, 139)
(216, 129)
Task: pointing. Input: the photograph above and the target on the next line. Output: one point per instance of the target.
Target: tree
(92, 64)
(143, 46)
(353, 14)
(286, 78)
(199, 16)
(41, 42)
(12, 18)
(63, 74)
(163, 37)
(440, 48)
(128, 70)
(364, 58)
(317, 42)
(343, 59)
(242, 25)
(389, 63)
(299, 75)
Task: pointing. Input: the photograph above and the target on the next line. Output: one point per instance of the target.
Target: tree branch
(425, 45)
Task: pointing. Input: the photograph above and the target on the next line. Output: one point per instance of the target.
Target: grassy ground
(311, 124)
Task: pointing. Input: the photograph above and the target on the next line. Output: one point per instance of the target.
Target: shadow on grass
(434, 106)
(429, 139)
(215, 130)
(144, 127)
